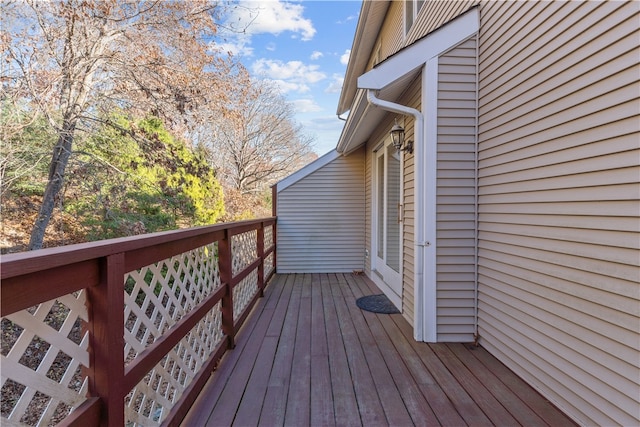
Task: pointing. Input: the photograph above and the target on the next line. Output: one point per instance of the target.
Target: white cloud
(270, 46)
(240, 47)
(348, 18)
(344, 58)
(286, 87)
(305, 106)
(326, 130)
(316, 55)
(289, 76)
(335, 86)
(275, 17)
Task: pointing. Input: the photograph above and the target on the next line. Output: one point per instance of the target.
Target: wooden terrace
(192, 327)
(307, 355)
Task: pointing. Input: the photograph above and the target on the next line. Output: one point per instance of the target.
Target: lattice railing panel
(159, 295)
(269, 266)
(268, 236)
(43, 351)
(244, 250)
(244, 292)
(151, 400)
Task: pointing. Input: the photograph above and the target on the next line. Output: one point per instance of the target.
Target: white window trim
(417, 5)
(397, 300)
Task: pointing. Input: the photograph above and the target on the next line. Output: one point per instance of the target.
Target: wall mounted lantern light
(397, 138)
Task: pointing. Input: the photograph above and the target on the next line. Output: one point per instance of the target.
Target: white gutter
(420, 241)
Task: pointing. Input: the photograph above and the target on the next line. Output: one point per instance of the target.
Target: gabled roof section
(372, 14)
(307, 170)
(394, 74)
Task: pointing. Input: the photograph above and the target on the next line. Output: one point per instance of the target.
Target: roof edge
(372, 15)
(307, 170)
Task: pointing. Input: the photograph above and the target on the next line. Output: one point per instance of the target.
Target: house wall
(380, 134)
(456, 171)
(456, 194)
(321, 219)
(558, 195)
(559, 292)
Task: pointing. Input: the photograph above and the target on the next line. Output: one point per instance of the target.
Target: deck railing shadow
(126, 331)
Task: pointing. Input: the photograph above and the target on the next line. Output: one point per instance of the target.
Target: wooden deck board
(275, 403)
(298, 410)
(463, 403)
(415, 401)
(308, 355)
(549, 413)
(516, 407)
(392, 401)
(345, 405)
(322, 412)
(369, 405)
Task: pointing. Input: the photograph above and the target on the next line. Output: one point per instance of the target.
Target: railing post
(274, 242)
(106, 324)
(226, 274)
(274, 200)
(261, 258)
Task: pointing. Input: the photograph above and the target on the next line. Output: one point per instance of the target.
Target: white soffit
(415, 55)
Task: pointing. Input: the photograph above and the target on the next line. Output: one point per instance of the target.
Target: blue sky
(303, 47)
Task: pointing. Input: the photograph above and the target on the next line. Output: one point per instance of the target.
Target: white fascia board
(371, 18)
(353, 122)
(416, 54)
(307, 170)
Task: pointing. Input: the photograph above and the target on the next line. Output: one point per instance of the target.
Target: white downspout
(419, 243)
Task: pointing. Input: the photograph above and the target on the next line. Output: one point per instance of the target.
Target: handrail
(101, 269)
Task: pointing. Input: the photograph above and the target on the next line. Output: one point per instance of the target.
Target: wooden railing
(71, 355)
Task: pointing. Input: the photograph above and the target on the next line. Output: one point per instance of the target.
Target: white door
(386, 224)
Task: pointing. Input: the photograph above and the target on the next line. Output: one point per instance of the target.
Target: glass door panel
(393, 209)
(387, 210)
(380, 210)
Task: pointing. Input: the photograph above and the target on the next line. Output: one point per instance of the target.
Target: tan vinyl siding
(559, 201)
(390, 38)
(368, 188)
(413, 100)
(392, 32)
(456, 194)
(321, 219)
(435, 13)
(432, 15)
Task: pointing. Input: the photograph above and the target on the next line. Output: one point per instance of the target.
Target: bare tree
(74, 58)
(258, 142)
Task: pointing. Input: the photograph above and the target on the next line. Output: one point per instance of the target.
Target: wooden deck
(309, 356)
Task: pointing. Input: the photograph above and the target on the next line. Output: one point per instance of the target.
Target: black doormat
(377, 304)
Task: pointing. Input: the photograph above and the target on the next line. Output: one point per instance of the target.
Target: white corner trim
(307, 170)
(429, 201)
(415, 55)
